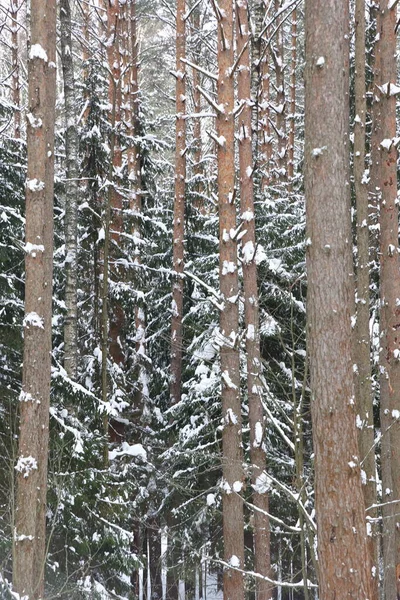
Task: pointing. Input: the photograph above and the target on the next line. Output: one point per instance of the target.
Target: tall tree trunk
(389, 289)
(292, 122)
(71, 194)
(363, 376)
(116, 226)
(232, 458)
(261, 92)
(280, 106)
(31, 468)
(344, 565)
(262, 563)
(179, 207)
(388, 541)
(134, 168)
(16, 99)
(198, 167)
(112, 320)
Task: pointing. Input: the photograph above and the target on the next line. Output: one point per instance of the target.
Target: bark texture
(292, 122)
(134, 169)
(261, 537)
(232, 469)
(179, 208)
(31, 469)
(363, 378)
(344, 565)
(71, 194)
(277, 53)
(390, 296)
(16, 99)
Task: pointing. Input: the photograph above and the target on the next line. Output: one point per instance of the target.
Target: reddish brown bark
(363, 376)
(134, 169)
(389, 288)
(179, 208)
(14, 7)
(29, 551)
(232, 469)
(198, 167)
(292, 122)
(264, 590)
(277, 53)
(344, 565)
(117, 316)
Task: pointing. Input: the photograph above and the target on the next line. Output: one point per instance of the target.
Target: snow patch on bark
(37, 51)
(25, 465)
(32, 319)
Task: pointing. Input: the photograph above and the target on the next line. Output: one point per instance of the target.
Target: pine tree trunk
(116, 314)
(16, 99)
(232, 458)
(198, 167)
(280, 108)
(71, 194)
(292, 122)
(389, 292)
(344, 565)
(363, 376)
(134, 168)
(262, 565)
(179, 208)
(388, 542)
(29, 549)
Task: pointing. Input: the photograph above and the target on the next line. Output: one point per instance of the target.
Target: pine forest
(199, 300)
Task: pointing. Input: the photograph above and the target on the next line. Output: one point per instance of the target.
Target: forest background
(181, 457)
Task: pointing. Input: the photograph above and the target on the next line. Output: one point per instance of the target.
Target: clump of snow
(228, 267)
(318, 151)
(136, 450)
(234, 561)
(237, 486)
(32, 319)
(262, 484)
(230, 417)
(210, 499)
(258, 435)
(37, 51)
(33, 249)
(27, 397)
(250, 332)
(35, 185)
(228, 381)
(25, 465)
(248, 252)
(247, 215)
(34, 122)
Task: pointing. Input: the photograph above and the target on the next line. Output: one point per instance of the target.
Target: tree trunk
(389, 291)
(31, 469)
(116, 315)
(388, 541)
(232, 458)
(262, 565)
(363, 377)
(16, 99)
(292, 122)
(112, 320)
(344, 565)
(71, 194)
(198, 167)
(134, 169)
(179, 208)
(280, 107)
(261, 92)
